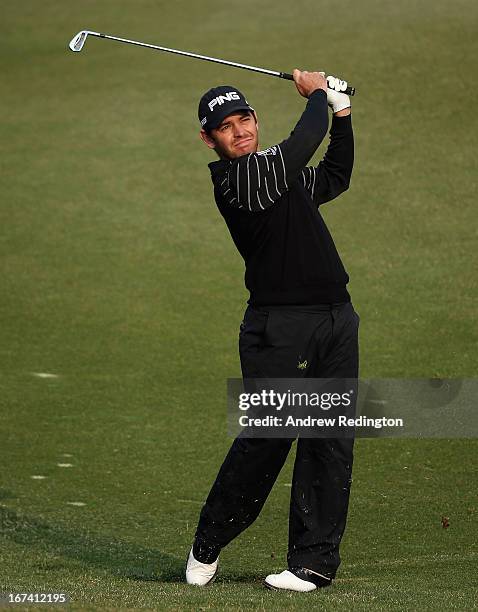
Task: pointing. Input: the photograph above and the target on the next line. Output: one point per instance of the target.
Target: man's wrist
(343, 113)
(317, 90)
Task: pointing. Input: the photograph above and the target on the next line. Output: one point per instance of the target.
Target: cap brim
(230, 110)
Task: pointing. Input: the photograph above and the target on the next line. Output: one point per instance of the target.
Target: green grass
(119, 276)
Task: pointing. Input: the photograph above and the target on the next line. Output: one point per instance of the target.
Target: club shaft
(188, 54)
(283, 75)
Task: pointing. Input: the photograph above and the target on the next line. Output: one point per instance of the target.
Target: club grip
(350, 91)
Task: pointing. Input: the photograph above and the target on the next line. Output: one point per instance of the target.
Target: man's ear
(205, 137)
(255, 117)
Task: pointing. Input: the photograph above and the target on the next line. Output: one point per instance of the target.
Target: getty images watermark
(344, 408)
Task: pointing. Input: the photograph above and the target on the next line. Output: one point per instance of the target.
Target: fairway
(122, 295)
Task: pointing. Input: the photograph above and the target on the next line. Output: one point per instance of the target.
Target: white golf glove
(335, 98)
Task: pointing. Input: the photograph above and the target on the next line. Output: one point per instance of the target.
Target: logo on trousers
(302, 365)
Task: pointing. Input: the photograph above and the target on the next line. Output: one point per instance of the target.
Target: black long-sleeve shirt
(270, 201)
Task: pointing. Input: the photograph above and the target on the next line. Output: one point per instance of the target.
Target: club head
(77, 42)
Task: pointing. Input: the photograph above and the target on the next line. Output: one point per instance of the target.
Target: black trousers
(272, 343)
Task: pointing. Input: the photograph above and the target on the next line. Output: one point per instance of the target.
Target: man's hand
(338, 102)
(308, 82)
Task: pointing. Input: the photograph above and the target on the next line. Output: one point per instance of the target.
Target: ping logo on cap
(227, 97)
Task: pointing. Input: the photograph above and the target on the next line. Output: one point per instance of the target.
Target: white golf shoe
(199, 573)
(287, 580)
(299, 579)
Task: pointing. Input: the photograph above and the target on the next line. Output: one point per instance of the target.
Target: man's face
(236, 135)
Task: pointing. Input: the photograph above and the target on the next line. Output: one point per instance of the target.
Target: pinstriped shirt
(270, 201)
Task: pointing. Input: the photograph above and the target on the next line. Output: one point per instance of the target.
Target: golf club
(78, 42)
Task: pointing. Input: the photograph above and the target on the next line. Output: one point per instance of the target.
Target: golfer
(299, 321)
